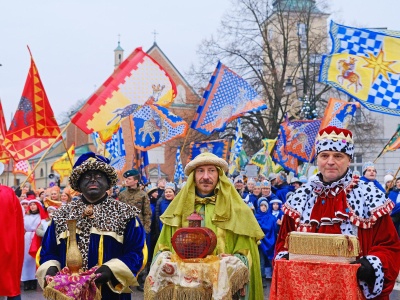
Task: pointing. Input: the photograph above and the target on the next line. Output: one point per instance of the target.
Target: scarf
(230, 211)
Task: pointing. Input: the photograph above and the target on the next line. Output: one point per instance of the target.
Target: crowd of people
(119, 224)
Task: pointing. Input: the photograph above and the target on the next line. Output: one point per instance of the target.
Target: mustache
(206, 181)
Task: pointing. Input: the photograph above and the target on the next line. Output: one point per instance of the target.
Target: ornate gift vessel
(194, 241)
(74, 256)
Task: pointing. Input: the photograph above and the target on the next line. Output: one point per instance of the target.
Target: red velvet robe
(381, 240)
(11, 241)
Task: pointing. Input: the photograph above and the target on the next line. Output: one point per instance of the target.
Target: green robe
(229, 217)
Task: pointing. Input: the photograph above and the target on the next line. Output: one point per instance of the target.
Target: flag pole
(67, 150)
(47, 151)
(184, 142)
(384, 147)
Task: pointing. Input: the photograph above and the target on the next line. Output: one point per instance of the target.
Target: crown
(170, 185)
(335, 133)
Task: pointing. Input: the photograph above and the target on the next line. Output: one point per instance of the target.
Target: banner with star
(34, 127)
(227, 97)
(365, 64)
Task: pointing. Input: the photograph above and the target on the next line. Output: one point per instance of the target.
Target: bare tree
(274, 45)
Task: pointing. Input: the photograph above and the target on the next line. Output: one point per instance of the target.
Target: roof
(119, 48)
(297, 5)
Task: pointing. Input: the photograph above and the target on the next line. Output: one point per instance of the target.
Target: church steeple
(118, 55)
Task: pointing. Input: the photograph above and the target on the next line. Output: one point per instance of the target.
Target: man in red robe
(335, 201)
(12, 243)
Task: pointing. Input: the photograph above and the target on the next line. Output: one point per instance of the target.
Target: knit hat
(387, 178)
(206, 158)
(303, 179)
(251, 180)
(367, 165)
(238, 179)
(271, 176)
(332, 138)
(91, 161)
(263, 201)
(275, 201)
(295, 179)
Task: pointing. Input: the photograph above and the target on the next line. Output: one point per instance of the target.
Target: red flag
(4, 154)
(34, 126)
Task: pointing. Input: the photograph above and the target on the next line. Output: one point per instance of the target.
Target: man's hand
(365, 272)
(52, 271)
(106, 275)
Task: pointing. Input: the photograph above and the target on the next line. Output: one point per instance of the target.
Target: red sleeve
(383, 242)
(288, 225)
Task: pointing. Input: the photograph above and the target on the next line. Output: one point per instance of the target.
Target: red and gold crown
(332, 138)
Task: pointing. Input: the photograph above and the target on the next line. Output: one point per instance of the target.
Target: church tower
(118, 55)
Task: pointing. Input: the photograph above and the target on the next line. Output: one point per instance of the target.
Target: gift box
(307, 246)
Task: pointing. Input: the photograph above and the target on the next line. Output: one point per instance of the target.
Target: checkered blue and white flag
(364, 63)
(179, 174)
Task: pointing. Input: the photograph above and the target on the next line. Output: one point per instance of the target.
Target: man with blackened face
(110, 236)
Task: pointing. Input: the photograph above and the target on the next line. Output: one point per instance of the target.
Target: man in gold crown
(209, 191)
(335, 201)
(109, 233)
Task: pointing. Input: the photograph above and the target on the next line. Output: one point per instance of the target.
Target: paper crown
(257, 184)
(170, 185)
(151, 188)
(337, 139)
(265, 184)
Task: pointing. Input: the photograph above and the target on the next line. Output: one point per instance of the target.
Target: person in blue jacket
(268, 225)
(369, 175)
(394, 195)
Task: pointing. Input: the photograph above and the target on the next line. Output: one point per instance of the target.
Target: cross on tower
(155, 33)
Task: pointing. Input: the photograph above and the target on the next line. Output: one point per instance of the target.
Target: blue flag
(364, 63)
(218, 147)
(179, 174)
(227, 97)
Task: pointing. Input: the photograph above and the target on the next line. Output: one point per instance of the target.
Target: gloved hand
(365, 272)
(106, 275)
(52, 271)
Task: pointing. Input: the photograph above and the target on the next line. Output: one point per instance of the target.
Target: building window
(41, 172)
(357, 163)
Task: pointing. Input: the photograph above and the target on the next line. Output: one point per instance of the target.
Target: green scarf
(231, 213)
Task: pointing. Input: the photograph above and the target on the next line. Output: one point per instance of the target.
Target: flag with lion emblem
(365, 64)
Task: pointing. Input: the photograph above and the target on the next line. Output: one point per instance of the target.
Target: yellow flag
(63, 165)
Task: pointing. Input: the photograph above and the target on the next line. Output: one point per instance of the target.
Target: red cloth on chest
(329, 208)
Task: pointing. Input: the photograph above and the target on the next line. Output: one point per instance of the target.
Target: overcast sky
(72, 41)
